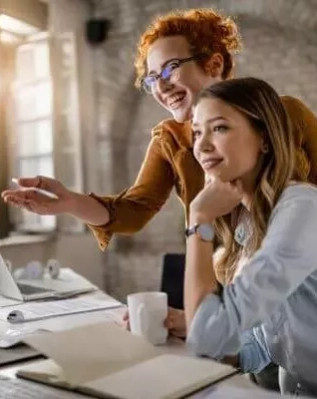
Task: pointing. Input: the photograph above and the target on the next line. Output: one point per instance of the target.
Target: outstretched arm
(47, 196)
(125, 213)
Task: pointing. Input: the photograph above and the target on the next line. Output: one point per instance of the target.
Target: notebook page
(164, 377)
(43, 371)
(47, 372)
(105, 347)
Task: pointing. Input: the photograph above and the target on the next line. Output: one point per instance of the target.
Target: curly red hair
(206, 30)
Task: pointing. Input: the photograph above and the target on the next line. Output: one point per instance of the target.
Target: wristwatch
(204, 231)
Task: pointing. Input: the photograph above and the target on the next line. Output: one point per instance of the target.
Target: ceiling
(32, 12)
(19, 19)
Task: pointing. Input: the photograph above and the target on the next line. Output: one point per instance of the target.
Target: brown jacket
(169, 162)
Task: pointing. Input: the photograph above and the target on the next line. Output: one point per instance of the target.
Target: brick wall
(279, 37)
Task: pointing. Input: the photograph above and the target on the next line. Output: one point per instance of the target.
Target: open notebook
(106, 361)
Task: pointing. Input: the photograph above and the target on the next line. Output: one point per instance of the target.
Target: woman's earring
(265, 148)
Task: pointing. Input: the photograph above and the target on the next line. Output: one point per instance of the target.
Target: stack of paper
(33, 311)
(4, 302)
(105, 360)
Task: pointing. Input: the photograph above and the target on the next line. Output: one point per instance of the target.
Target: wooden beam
(33, 12)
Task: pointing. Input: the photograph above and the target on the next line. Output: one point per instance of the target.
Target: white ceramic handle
(142, 318)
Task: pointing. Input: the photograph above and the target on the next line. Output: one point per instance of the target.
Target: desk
(238, 381)
(174, 345)
(58, 323)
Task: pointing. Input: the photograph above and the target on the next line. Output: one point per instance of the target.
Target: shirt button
(275, 339)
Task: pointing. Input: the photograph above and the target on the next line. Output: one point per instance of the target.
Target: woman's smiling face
(177, 94)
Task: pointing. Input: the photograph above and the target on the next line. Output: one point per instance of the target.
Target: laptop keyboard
(30, 289)
(21, 389)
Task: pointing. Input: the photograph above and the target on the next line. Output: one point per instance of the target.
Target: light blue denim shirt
(269, 311)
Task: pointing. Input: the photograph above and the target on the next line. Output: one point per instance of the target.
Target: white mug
(147, 313)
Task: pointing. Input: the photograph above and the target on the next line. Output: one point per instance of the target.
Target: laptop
(31, 290)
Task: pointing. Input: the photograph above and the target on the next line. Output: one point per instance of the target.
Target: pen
(38, 190)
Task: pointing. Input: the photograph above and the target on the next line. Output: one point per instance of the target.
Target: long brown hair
(261, 105)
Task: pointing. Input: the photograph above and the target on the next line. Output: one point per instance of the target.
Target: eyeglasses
(149, 82)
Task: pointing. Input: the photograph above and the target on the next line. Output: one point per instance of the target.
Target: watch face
(206, 232)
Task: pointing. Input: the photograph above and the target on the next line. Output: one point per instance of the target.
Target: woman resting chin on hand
(264, 214)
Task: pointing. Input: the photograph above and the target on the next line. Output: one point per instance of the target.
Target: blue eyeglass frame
(149, 81)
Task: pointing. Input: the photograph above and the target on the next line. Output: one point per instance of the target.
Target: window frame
(72, 111)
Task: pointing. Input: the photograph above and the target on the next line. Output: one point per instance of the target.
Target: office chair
(173, 279)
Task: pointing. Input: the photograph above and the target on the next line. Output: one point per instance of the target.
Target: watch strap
(191, 230)
(204, 231)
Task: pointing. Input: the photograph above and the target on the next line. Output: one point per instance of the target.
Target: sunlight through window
(16, 26)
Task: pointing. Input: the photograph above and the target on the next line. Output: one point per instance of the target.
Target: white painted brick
(280, 46)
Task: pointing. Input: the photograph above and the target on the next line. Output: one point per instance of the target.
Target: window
(33, 121)
(46, 131)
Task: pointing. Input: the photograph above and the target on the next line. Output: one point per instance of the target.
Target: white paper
(163, 377)
(4, 302)
(112, 362)
(89, 352)
(41, 310)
